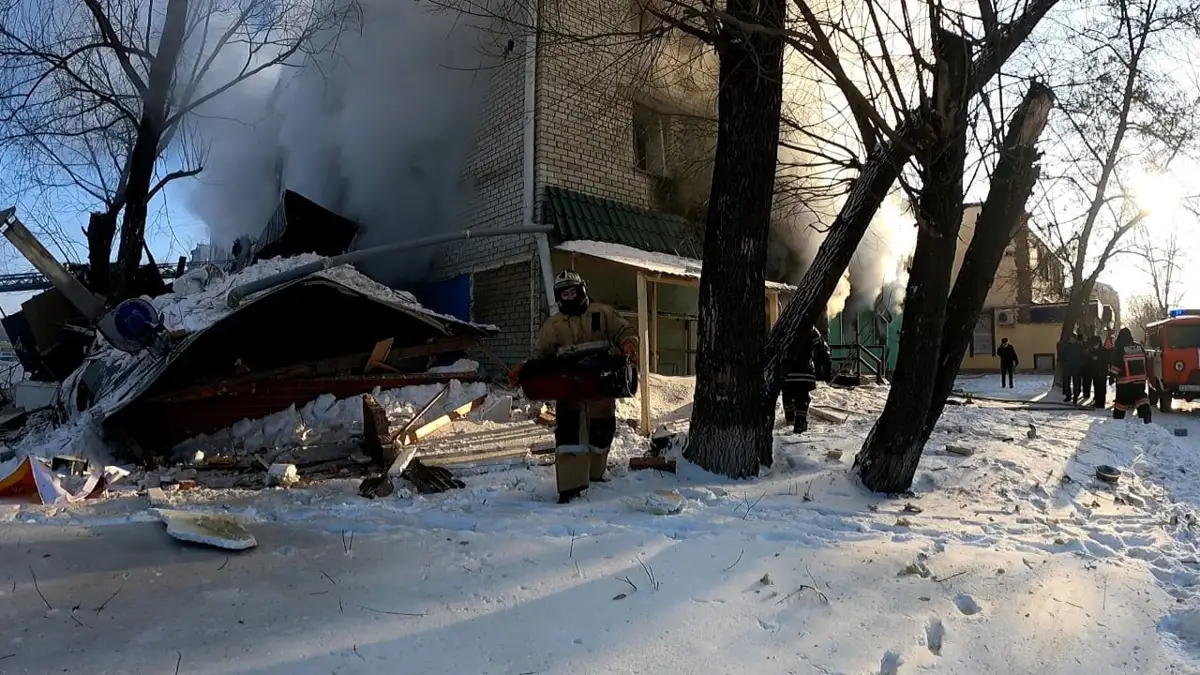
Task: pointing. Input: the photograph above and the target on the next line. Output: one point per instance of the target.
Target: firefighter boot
(571, 468)
(1144, 413)
(801, 424)
(598, 463)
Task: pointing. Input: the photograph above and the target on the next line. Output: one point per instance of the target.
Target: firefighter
(1128, 371)
(810, 362)
(583, 431)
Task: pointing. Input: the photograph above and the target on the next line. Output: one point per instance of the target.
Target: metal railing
(36, 281)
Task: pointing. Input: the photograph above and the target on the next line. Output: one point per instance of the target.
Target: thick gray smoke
(377, 130)
(805, 207)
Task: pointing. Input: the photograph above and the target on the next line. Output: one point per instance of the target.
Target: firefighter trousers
(796, 398)
(581, 439)
(1131, 396)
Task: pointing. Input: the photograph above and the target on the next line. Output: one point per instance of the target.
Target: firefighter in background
(810, 362)
(1128, 371)
(583, 431)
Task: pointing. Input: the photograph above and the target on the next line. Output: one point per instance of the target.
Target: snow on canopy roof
(658, 263)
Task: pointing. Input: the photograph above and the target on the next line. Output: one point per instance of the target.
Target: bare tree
(1143, 310)
(1161, 258)
(96, 96)
(890, 456)
(1125, 114)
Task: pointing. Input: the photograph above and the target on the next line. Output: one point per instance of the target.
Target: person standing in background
(1008, 363)
(1099, 359)
(1070, 358)
(1086, 370)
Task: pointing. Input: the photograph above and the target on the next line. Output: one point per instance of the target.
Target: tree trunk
(879, 172)
(1002, 214)
(101, 230)
(726, 431)
(888, 460)
(144, 155)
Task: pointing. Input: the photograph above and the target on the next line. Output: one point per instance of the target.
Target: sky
(174, 231)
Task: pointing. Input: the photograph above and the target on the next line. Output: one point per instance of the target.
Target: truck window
(1154, 338)
(1184, 337)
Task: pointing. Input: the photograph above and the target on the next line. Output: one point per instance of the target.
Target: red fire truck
(1173, 353)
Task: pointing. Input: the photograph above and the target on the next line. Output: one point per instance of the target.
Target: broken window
(650, 140)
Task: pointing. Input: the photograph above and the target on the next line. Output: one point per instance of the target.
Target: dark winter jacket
(1071, 356)
(810, 360)
(1008, 356)
(1098, 358)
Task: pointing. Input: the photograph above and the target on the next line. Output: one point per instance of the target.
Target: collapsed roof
(323, 316)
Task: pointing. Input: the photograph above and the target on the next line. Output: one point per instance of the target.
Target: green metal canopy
(577, 216)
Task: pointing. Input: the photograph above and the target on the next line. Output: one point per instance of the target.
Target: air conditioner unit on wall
(1006, 317)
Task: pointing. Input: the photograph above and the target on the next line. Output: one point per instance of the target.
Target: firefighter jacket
(598, 323)
(1128, 364)
(810, 360)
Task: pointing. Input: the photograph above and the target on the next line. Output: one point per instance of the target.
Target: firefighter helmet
(567, 279)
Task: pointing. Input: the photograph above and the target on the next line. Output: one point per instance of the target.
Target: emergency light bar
(1175, 313)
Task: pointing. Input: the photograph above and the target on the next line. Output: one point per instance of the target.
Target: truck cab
(1173, 358)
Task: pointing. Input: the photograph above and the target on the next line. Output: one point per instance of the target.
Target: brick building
(608, 143)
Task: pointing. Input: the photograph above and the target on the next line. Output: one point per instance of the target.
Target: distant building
(208, 253)
(1027, 303)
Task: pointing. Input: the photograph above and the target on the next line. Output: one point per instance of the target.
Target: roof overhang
(662, 267)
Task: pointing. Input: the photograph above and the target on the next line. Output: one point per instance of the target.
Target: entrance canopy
(662, 267)
(652, 269)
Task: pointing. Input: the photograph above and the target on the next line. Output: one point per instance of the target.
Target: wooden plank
(656, 463)
(470, 458)
(417, 417)
(826, 415)
(643, 351)
(378, 357)
(654, 327)
(429, 428)
(772, 308)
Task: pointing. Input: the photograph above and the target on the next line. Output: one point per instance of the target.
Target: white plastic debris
(283, 475)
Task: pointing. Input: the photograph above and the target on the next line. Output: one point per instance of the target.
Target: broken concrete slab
(211, 529)
(158, 496)
(960, 450)
(500, 410)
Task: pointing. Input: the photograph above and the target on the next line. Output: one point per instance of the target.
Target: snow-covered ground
(1011, 560)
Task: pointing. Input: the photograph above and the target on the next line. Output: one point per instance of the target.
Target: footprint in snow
(935, 631)
(966, 604)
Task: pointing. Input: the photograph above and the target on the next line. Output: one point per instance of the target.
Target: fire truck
(1173, 358)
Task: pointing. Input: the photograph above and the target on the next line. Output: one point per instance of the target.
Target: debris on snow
(211, 529)
(282, 475)
(660, 503)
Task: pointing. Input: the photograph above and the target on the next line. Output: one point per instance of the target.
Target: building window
(649, 141)
(982, 343)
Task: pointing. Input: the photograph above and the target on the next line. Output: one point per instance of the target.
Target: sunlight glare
(1160, 195)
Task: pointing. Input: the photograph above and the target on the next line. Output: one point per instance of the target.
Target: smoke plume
(377, 129)
(808, 198)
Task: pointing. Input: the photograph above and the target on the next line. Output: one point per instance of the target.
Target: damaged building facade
(610, 146)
